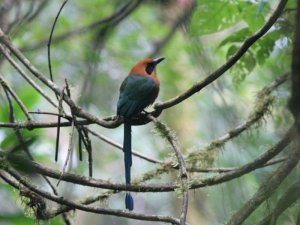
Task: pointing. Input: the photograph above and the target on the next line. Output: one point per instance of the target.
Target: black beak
(158, 60)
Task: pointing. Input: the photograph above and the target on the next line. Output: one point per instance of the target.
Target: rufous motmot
(139, 90)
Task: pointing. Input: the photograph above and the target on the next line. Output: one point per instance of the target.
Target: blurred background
(195, 37)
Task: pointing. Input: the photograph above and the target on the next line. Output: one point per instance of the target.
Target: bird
(138, 90)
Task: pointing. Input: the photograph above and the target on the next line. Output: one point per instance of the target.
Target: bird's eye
(150, 67)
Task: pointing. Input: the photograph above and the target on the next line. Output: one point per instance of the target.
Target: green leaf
(244, 66)
(16, 219)
(254, 15)
(262, 6)
(249, 61)
(213, 16)
(232, 49)
(266, 45)
(237, 37)
(27, 95)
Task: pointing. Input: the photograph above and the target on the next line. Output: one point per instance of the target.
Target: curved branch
(50, 40)
(25, 76)
(228, 169)
(222, 69)
(194, 184)
(260, 109)
(76, 109)
(268, 186)
(286, 200)
(17, 99)
(74, 205)
(182, 167)
(255, 164)
(92, 182)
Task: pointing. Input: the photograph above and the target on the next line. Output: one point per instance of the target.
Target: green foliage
(28, 96)
(214, 16)
(16, 219)
(236, 37)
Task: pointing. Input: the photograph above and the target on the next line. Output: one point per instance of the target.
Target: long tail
(128, 162)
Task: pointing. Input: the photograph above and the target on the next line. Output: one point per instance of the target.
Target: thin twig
(70, 148)
(227, 169)
(26, 149)
(158, 46)
(60, 112)
(89, 150)
(21, 139)
(182, 167)
(120, 147)
(260, 109)
(255, 164)
(77, 110)
(80, 139)
(52, 114)
(71, 135)
(50, 40)
(25, 76)
(126, 9)
(38, 10)
(80, 132)
(15, 96)
(78, 127)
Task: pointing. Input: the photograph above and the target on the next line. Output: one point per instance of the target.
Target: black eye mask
(150, 67)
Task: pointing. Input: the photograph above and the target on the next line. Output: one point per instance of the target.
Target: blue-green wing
(136, 93)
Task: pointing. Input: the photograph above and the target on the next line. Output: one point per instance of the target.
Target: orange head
(146, 67)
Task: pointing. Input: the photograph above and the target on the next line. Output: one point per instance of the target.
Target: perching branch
(159, 106)
(77, 110)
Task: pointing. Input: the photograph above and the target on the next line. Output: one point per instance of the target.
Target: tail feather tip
(129, 202)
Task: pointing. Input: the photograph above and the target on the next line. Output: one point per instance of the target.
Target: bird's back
(136, 93)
